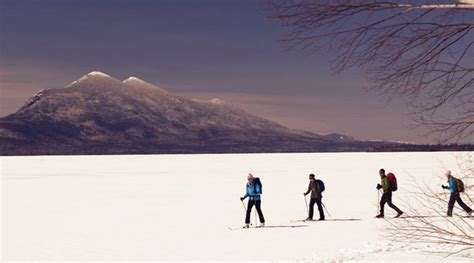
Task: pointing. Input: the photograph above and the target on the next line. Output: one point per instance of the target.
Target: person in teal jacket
(253, 191)
(454, 196)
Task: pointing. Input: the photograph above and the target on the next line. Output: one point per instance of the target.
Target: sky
(199, 49)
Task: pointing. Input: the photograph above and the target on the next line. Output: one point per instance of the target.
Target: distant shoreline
(394, 149)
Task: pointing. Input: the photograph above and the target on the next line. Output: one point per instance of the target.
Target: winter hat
(250, 176)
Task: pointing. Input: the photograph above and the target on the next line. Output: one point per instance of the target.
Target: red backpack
(392, 182)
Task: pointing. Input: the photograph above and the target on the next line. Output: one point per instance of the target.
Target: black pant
(452, 199)
(249, 210)
(320, 208)
(387, 198)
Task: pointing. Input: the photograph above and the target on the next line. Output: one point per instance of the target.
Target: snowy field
(180, 207)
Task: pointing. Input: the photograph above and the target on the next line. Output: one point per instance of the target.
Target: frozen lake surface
(180, 207)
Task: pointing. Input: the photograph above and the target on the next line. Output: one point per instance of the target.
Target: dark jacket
(313, 187)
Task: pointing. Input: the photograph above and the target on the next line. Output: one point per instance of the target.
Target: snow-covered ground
(180, 207)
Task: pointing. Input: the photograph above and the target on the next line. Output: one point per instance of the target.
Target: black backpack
(257, 181)
(320, 185)
(459, 185)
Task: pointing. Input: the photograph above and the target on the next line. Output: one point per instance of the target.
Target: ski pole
(256, 215)
(378, 198)
(326, 209)
(306, 202)
(245, 208)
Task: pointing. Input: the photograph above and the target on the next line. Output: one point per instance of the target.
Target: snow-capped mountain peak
(91, 76)
(132, 78)
(98, 74)
(136, 82)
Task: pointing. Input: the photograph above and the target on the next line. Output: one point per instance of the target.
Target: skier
(387, 195)
(455, 196)
(253, 191)
(316, 197)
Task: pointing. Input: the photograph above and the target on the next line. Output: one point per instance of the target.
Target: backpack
(459, 185)
(320, 185)
(392, 182)
(259, 183)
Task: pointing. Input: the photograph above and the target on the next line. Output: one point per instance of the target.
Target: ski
(301, 220)
(329, 220)
(242, 228)
(284, 226)
(434, 217)
(267, 226)
(422, 217)
(343, 219)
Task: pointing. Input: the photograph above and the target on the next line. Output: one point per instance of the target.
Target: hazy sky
(202, 49)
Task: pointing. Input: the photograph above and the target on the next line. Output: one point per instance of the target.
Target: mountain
(98, 114)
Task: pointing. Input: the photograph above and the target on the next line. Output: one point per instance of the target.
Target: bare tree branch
(421, 51)
(428, 223)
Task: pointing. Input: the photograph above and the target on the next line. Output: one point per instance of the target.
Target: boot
(379, 216)
(246, 226)
(399, 214)
(262, 224)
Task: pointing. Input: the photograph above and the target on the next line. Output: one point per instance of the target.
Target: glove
(379, 187)
(242, 198)
(444, 187)
(305, 194)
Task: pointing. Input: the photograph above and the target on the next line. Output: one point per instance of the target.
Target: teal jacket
(253, 191)
(452, 185)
